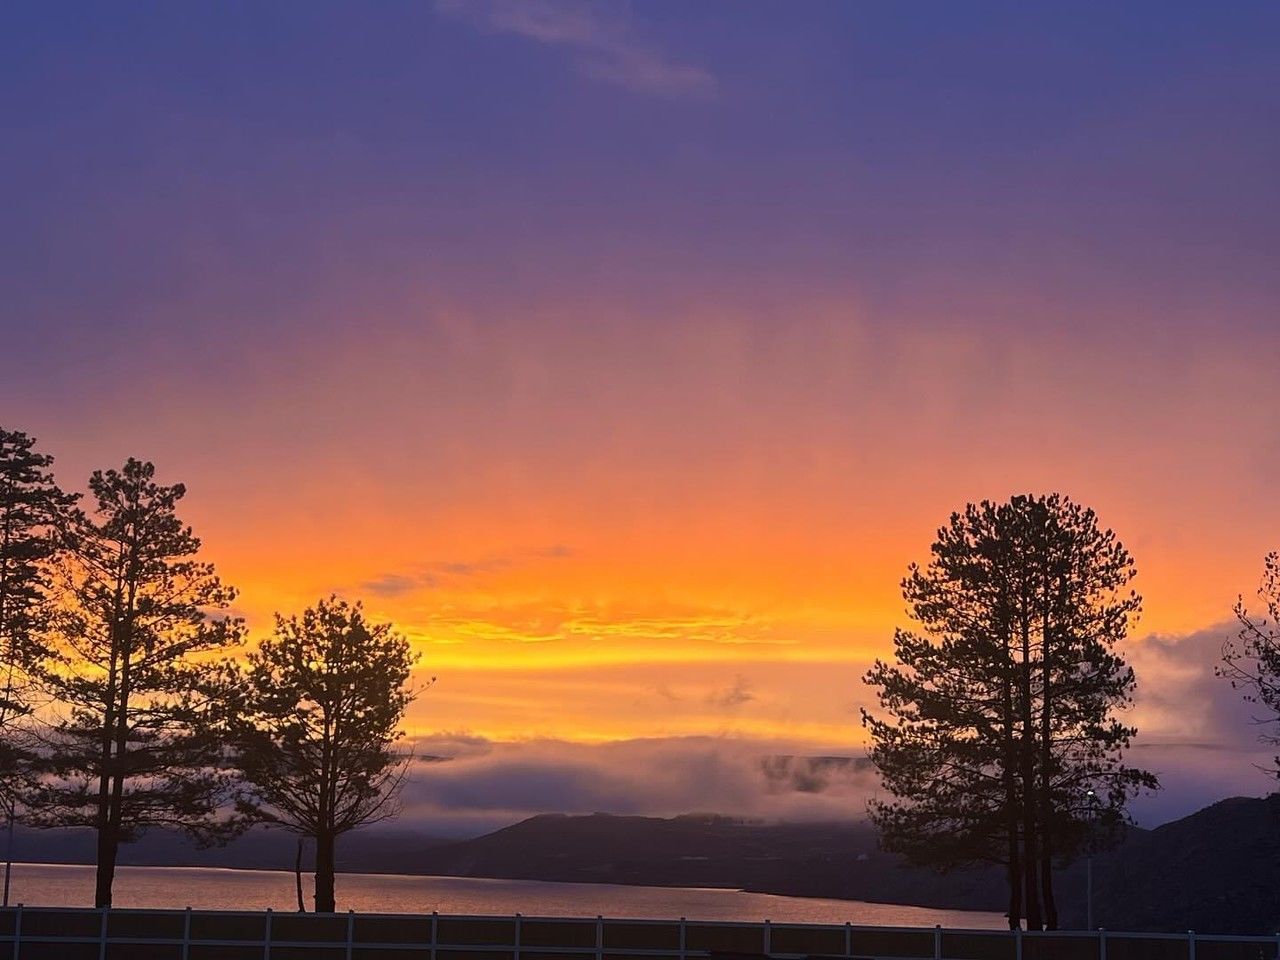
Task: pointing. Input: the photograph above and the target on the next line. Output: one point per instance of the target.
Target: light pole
(8, 853)
(1088, 862)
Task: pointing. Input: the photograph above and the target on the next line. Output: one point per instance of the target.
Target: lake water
(214, 889)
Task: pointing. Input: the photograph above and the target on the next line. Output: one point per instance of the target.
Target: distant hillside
(826, 860)
(374, 851)
(1217, 871)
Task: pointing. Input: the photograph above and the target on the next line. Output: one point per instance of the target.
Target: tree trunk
(324, 873)
(1031, 844)
(1046, 822)
(1015, 876)
(108, 844)
(1046, 760)
(1011, 805)
(1046, 884)
(297, 876)
(107, 841)
(115, 808)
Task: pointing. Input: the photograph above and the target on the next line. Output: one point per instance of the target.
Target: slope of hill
(381, 851)
(1216, 871)
(828, 860)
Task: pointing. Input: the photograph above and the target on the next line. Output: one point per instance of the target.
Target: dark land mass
(1216, 871)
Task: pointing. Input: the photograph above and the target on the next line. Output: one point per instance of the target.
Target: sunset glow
(630, 401)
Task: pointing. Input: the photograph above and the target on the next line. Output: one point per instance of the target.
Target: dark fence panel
(725, 937)
(478, 931)
(373, 929)
(996, 945)
(637, 935)
(1057, 946)
(151, 925)
(1124, 947)
(869, 942)
(558, 934)
(1212, 948)
(815, 941)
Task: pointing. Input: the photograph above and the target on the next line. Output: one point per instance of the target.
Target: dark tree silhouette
(317, 718)
(1251, 660)
(32, 510)
(999, 714)
(137, 744)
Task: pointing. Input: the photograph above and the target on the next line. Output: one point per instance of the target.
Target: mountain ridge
(1215, 871)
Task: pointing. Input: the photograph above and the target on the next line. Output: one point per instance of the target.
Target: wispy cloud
(586, 624)
(600, 36)
(735, 695)
(434, 574)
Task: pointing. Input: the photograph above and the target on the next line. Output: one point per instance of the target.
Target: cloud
(392, 585)
(485, 785)
(1194, 730)
(1181, 700)
(1195, 733)
(735, 695)
(600, 36)
(435, 574)
(585, 624)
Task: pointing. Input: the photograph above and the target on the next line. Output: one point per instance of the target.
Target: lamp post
(1092, 800)
(11, 811)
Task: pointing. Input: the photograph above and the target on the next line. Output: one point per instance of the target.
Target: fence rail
(55, 933)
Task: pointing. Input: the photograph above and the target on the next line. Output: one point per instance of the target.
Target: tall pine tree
(32, 510)
(139, 626)
(999, 715)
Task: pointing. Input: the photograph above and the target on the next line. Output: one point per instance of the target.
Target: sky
(625, 354)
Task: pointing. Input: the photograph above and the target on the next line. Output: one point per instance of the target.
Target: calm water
(57, 885)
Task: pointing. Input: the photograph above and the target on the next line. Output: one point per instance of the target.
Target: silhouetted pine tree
(316, 720)
(137, 745)
(32, 510)
(1001, 711)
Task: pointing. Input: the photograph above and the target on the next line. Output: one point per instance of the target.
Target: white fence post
(1102, 943)
(1017, 941)
(599, 937)
(435, 922)
(351, 931)
(17, 933)
(517, 943)
(768, 936)
(937, 941)
(102, 934)
(682, 946)
(186, 933)
(266, 939)
(1191, 945)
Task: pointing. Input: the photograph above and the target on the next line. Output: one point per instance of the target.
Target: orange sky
(570, 519)
(627, 354)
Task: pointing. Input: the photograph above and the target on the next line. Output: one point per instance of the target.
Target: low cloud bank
(464, 785)
(1195, 732)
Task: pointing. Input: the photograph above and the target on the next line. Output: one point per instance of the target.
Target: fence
(50, 933)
